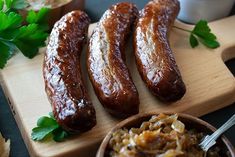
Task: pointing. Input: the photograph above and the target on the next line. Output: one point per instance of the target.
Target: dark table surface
(95, 9)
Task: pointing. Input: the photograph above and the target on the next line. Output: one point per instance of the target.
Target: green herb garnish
(40, 18)
(47, 127)
(19, 35)
(202, 33)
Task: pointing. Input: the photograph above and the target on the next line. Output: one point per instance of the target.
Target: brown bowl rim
(133, 119)
(54, 7)
(58, 11)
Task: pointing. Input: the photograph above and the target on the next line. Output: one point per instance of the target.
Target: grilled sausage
(64, 85)
(154, 57)
(107, 70)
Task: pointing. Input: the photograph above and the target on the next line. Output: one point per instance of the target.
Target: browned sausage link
(154, 57)
(107, 70)
(64, 85)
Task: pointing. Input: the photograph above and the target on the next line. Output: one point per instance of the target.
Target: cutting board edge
(219, 103)
(79, 152)
(226, 54)
(16, 115)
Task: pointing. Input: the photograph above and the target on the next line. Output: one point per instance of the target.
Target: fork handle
(223, 128)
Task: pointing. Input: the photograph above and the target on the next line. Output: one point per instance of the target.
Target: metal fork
(210, 140)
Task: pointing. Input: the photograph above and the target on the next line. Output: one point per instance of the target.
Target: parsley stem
(182, 29)
(2, 39)
(5, 40)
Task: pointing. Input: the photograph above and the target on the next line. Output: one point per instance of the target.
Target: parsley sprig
(47, 127)
(15, 35)
(202, 33)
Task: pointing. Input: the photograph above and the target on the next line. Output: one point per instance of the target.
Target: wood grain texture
(210, 86)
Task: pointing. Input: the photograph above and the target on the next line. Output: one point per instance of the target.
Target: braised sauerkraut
(161, 136)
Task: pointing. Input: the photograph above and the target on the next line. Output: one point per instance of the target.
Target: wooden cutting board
(210, 86)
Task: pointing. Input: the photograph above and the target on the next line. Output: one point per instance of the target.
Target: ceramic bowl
(194, 10)
(58, 11)
(189, 121)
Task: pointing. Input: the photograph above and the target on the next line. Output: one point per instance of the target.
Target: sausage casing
(64, 85)
(154, 57)
(107, 70)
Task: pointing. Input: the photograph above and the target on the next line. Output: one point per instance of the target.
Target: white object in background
(194, 10)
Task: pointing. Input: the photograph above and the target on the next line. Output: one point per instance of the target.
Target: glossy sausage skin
(64, 85)
(107, 70)
(154, 57)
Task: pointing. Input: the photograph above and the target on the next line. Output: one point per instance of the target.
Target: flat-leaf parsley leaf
(39, 17)
(9, 21)
(202, 33)
(47, 127)
(29, 39)
(4, 54)
(1, 4)
(19, 35)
